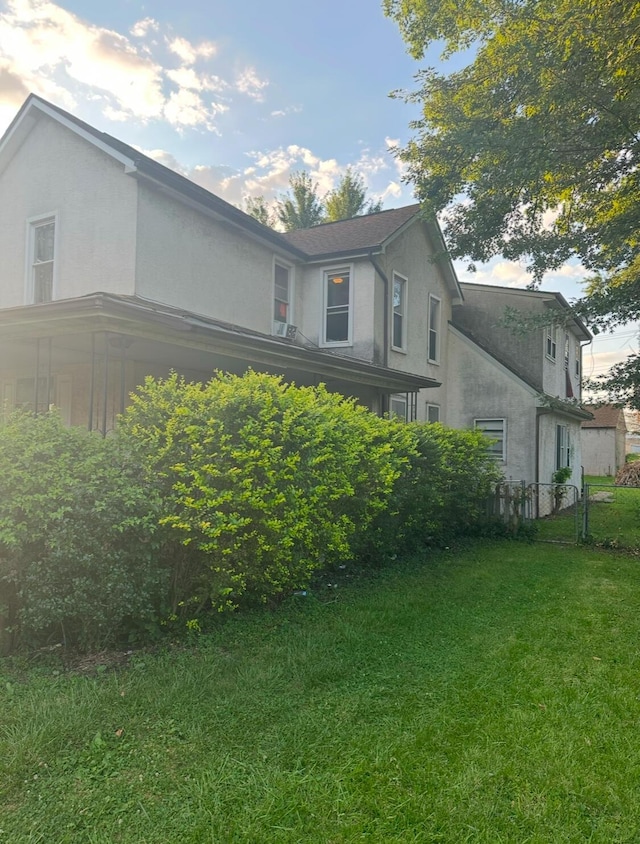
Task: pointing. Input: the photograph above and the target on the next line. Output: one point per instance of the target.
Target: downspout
(385, 325)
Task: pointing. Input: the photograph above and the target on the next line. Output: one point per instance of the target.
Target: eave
(152, 321)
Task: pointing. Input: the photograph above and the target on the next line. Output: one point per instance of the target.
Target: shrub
(78, 536)
(263, 482)
(441, 495)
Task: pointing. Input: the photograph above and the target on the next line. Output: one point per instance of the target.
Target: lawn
(486, 695)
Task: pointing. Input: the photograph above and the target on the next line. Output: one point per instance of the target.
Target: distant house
(604, 440)
(632, 418)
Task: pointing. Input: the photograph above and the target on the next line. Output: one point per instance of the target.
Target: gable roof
(364, 233)
(605, 416)
(547, 297)
(141, 166)
(359, 235)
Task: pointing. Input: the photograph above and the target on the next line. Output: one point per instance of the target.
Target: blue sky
(237, 95)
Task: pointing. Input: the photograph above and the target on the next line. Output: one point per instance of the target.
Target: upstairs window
(494, 429)
(398, 338)
(433, 352)
(337, 309)
(281, 294)
(566, 352)
(551, 346)
(42, 245)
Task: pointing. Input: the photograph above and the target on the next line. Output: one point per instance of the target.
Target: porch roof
(151, 321)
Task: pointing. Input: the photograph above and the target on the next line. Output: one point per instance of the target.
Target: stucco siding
(191, 261)
(56, 173)
(480, 389)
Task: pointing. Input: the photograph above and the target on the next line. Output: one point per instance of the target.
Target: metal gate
(611, 515)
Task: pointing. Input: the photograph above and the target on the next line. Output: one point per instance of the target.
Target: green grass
(614, 523)
(490, 695)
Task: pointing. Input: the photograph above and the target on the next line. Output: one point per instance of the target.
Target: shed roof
(605, 416)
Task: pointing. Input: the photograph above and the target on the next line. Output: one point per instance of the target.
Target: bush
(441, 496)
(78, 537)
(263, 482)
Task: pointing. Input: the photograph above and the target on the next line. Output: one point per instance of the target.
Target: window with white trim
(563, 447)
(281, 293)
(566, 352)
(399, 407)
(550, 343)
(337, 307)
(398, 333)
(577, 363)
(433, 352)
(495, 430)
(433, 412)
(42, 233)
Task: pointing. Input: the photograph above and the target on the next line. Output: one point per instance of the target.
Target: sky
(238, 95)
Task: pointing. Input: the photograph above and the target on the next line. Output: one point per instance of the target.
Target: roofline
(139, 165)
(544, 295)
(233, 340)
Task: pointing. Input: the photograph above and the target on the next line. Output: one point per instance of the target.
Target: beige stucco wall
(189, 260)
(481, 389)
(55, 172)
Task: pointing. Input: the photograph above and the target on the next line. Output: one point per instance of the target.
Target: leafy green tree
(534, 146)
(302, 207)
(349, 199)
(256, 207)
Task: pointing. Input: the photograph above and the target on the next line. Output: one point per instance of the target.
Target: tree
(302, 208)
(256, 207)
(534, 146)
(349, 199)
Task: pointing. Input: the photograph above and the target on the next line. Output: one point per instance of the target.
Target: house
(521, 389)
(115, 267)
(604, 440)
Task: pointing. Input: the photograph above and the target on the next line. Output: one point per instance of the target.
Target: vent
(285, 329)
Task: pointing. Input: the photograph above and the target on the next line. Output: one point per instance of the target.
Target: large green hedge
(265, 482)
(79, 537)
(213, 496)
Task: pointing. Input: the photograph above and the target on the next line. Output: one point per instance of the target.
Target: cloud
(249, 83)
(142, 28)
(54, 53)
(189, 52)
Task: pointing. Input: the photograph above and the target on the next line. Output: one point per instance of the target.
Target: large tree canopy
(534, 146)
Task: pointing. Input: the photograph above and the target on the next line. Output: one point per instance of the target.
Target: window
(494, 429)
(551, 343)
(398, 338)
(566, 352)
(398, 407)
(433, 413)
(41, 260)
(434, 330)
(578, 356)
(281, 294)
(337, 293)
(25, 395)
(563, 447)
